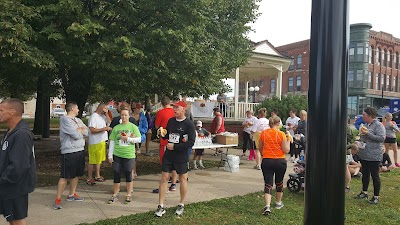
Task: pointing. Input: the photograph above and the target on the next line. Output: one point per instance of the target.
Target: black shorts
(14, 209)
(180, 167)
(390, 140)
(199, 152)
(72, 165)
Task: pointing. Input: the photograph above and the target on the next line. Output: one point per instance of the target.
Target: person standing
(261, 124)
(291, 122)
(97, 142)
(247, 140)
(181, 136)
(72, 132)
(150, 121)
(390, 141)
(141, 123)
(122, 154)
(222, 99)
(162, 118)
(198, 153)
(373, 135)
(273, 146)
(218, 123)
(17, 163)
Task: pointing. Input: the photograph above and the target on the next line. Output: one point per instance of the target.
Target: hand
(107, 128)
(110, 160)
(138, 152)
(132, 135)
(364, 130)
(124, 137)
(170, 146)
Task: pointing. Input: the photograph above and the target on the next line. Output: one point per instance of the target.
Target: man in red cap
(181, 136)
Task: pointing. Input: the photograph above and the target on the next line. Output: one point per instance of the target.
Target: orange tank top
(272, 143)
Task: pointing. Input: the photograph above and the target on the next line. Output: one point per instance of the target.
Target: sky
(287, 21)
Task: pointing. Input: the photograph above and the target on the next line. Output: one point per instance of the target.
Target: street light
(254, 90)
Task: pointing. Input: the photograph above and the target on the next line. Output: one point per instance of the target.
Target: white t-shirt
(251, 120)
(260, 125)
(97, 121)
(293, 122)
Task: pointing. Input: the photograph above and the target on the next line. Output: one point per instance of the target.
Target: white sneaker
(179, 210)
(160, 211)
(279, 206)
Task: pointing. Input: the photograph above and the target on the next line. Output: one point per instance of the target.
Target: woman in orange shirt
(273, 145)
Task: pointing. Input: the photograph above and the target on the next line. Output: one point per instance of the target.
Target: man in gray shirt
(72, 132)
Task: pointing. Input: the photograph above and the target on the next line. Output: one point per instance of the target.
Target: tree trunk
(38, 126)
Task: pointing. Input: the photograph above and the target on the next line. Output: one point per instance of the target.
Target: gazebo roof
(264, 61)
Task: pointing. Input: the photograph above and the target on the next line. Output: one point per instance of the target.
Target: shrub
(283, 106)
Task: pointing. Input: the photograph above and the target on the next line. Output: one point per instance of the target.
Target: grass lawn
(48, 167)
(247, 209)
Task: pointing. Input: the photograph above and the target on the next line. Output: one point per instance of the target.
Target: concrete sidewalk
(204, 185)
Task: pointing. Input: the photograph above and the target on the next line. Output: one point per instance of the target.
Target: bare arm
(285, 146)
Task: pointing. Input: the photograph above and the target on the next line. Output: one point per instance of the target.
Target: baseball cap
(199, 123)
(138, 106)
(179, 103)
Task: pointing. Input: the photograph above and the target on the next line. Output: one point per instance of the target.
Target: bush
(283, 106)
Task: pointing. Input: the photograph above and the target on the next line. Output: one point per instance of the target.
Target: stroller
(296, 179)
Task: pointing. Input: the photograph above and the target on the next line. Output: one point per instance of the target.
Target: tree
(283, 106)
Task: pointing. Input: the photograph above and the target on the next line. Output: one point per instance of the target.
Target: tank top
(214, 124)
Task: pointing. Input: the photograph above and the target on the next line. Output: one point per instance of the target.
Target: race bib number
(123, 143)
(173, 138)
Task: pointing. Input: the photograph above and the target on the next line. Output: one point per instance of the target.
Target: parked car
(58, 112)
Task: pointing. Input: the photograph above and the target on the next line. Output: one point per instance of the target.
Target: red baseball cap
(179, 103)
(138, 106)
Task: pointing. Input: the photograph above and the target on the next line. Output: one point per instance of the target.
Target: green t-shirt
(121, 148)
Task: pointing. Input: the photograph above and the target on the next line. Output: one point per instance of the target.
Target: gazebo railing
(229, 112)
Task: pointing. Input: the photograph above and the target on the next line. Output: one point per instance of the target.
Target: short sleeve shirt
(97, 121)
(121, 148)
(272, 143)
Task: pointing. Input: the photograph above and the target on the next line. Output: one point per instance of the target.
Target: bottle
(302, 155)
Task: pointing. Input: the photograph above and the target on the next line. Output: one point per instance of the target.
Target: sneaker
(195, 167)
(179, 210)
(266, 211)
(160, 211)
(113, 199)
(374, 200)
(172, 187)
(397, 164)
(57, 204)
(279, 206)
(75, 197)
(347, 189)
(362, 195)
(201, 166)
(156, 191)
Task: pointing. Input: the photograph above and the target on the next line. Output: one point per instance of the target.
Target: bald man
(17, 163)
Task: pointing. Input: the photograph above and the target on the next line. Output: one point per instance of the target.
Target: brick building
(373, 77)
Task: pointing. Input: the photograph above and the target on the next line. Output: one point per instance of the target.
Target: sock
(194, 162)
(162, 205)
(201, 162)
(267, 206)
(181, 204)
(279, 203)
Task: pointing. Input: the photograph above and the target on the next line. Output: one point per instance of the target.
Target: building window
(378, 56)
(383, 81)
(298, 83)
(396, 85)
(299, 61)
(396, 65)
(290, 84)
(291, 63)
(377, 82)
(370, 80)
(350, 78)
(272, 86)
(389, 55)
(388, 84)
(371, 57)
(384, 57)
(261, 83)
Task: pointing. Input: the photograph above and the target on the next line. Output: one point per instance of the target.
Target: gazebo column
(237, 95)
(246, 89)
(279, 83)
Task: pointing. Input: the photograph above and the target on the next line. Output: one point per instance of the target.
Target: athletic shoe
(362, 195)
(75, 197)
(57, 204)
(113, 199)
(374, 200)
(156, 191)
(279, 206)
(266, 211)
(172, 187)
(160, 211)
(347, 189)
(397, 164)
(179, 210)
(201, 166)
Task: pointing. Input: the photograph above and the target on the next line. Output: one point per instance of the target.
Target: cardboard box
(227, 140)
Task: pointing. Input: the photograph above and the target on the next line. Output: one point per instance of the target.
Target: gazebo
(264, 61)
